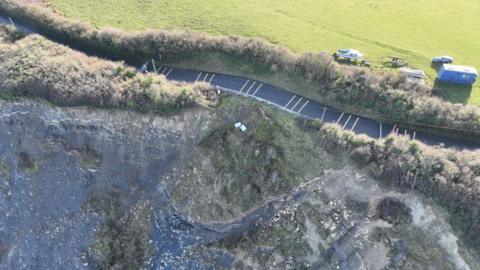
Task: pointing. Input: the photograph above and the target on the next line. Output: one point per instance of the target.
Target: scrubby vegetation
(394, 211)
(26, 163)
(386, 96)
(123, 241)
(407, 29)
(34, 66)
(450, 177)
(238, 170)
(277, 154)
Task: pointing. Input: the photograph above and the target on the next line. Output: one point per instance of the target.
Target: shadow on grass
(347, 62)
(455, 93)
(436, 66)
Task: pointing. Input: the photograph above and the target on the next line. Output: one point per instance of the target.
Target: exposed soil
(394, 211)
(95, 189)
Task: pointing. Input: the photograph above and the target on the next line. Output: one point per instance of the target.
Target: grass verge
(370, 93)
(412, 30)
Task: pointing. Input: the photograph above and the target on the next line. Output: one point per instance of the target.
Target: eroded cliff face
(87, 189)
(68, 175)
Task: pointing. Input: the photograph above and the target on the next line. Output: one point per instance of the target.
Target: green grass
(415, 30)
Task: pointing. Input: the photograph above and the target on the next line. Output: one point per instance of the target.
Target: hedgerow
(386, 96)
(58, 74)
(37, 67)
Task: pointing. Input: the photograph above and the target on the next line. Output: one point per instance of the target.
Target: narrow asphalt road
(303, 106)
(293, 103)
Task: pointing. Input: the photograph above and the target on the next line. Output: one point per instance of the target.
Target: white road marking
(145, 67)
(250, 88)
(244, 85)
(381, 130)
(355, 123)
(211, 79)
(305, 104)
(168, 73)
(323, 114)
(340, 118)
(293, 108)
(205, 78)
(198, 77)
(346, 123)
(393, 129)
(258, 88)
(154, 67)
(294, 96)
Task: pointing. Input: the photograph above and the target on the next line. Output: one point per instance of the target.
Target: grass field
(415, 30)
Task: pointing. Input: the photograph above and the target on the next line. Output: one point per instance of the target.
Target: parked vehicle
(444, 59)
(395, 62)
(365, 63)
(413, 74)
(457, 74)
(348, 54)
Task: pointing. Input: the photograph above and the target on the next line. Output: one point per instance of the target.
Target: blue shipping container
(457, 74)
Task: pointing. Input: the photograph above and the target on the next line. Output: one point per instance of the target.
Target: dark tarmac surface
(293, 103)
(307, 108)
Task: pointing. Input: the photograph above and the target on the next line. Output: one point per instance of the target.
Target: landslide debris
(118, 189)
(123, 241)
(237, 170)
